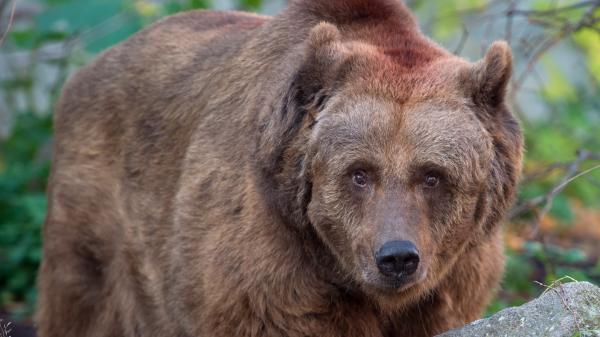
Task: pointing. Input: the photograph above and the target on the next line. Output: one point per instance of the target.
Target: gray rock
(567, 310)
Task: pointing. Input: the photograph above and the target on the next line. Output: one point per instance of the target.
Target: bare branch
(509, 21)
(10, 21)
(541, 205)
(463, 39)
(554, 11)
(551, 19)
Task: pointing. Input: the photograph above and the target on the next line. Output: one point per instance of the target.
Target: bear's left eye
(432, 179)
(359, 178)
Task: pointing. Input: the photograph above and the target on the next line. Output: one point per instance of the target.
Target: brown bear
(326, 172)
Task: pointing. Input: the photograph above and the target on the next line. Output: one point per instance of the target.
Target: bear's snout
(398, 259)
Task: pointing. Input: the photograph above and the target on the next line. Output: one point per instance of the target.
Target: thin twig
(555, 10)
(509, 21)
(463, 39)
(587, 20)
(546, 201)
(10, 22)
(563, 297)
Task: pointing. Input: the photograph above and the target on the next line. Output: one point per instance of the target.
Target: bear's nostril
(387, 264)
(397, 258)
(411, 264)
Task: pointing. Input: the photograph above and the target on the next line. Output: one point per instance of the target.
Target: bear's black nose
(397, 258)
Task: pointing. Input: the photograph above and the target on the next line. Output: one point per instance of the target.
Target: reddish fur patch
(347, 11)
(387, 24)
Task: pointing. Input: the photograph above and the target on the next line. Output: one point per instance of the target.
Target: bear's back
(122, 128)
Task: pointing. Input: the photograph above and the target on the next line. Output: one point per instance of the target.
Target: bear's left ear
(490, 76)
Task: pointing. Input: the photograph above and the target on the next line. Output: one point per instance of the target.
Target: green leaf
(557, 86)
(74, 16)
(448, 20)
(184, 5)
(19, 280)
(518, 273)
(589, 41)
(551, 144)
(573, 255)
(98, 23)
(561, 209)
(253, 5)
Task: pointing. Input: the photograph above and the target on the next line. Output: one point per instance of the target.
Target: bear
(329, 171)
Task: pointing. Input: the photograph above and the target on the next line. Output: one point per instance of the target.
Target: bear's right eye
(432, 179)
(360, 179)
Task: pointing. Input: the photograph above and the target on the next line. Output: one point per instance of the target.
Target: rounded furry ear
(490, 76)
(325, 52)
(323, 34)
(278, 153)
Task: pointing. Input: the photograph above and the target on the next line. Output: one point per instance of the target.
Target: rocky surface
(567, 310)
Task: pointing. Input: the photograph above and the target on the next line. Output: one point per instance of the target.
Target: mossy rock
(567, 310)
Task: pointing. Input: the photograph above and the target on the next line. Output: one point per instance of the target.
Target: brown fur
(200, 183)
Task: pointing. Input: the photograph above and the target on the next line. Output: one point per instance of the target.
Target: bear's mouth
(398, 281)
(393, 283)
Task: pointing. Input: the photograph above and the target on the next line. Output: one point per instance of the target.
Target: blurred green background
(552, 232)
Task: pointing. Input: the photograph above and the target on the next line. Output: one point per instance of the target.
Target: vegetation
(553, 230)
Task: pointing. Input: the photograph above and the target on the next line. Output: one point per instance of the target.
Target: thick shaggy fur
(200, 183)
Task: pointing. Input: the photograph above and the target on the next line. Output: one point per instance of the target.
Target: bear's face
(397, 163)
(395, 187)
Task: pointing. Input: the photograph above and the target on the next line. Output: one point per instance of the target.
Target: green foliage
(251, 5)
(589, 41)
(573, 126)
(448, 22)
(178, 6)
(557, 86)
(545, 264)
(22, 209)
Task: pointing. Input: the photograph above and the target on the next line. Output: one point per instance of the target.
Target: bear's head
(399, 159)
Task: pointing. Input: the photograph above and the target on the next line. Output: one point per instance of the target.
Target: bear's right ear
(277, 155)
(324, 54)
(325, 45)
